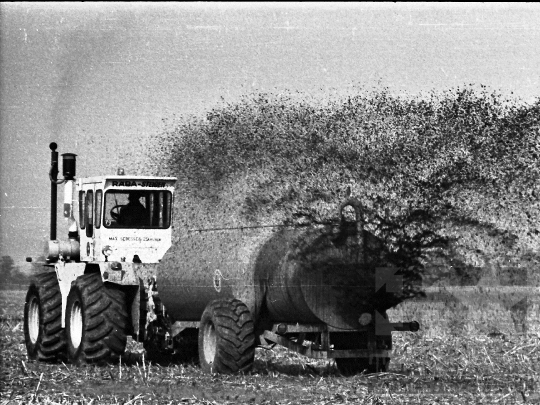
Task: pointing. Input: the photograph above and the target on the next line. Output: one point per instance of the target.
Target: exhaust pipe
(53, 173)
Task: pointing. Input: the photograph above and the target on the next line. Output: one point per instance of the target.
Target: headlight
(107, 251)
(116, 266)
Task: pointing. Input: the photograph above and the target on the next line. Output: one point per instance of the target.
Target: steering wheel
(115, 212)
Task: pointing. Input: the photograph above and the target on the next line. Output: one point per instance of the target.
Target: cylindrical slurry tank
(303, 274)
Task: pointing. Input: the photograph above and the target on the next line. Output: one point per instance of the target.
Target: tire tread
(106, 320)
(52, 345)
(234, 327)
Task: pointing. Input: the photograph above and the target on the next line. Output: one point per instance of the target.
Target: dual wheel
(96, 320)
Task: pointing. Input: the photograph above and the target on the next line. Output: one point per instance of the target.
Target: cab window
(81, 209)
(97, 211)
(150, 209)
(89, 213)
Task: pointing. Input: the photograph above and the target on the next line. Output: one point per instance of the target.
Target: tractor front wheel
(96, 321)
(43, 333)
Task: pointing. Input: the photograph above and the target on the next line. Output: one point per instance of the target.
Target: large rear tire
(43, 333)
(226, 337)
(96, 321)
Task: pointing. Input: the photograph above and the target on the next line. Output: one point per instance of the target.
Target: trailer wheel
(43, 333)
(352, 366)
(226, 337)
(96, 321)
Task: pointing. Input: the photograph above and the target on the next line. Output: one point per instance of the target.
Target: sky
(100, 78)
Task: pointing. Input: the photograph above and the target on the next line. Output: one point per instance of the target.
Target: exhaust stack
(53, 173)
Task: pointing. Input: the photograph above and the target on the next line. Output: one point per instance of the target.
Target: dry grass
(427, 370)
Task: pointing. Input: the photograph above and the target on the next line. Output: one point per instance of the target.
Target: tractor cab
(124, 218)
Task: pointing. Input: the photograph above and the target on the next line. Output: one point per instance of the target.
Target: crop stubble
(426, 368)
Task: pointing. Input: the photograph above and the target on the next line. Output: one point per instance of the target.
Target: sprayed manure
(448, 180)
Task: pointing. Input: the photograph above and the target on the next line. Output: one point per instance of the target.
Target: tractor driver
(133, 214)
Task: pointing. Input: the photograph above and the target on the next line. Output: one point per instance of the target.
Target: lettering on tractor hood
(135, 238)
(132, 183)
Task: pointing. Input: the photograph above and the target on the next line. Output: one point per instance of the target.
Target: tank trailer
(210, 294)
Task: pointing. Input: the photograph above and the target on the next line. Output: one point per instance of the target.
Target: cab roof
(101, 179)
